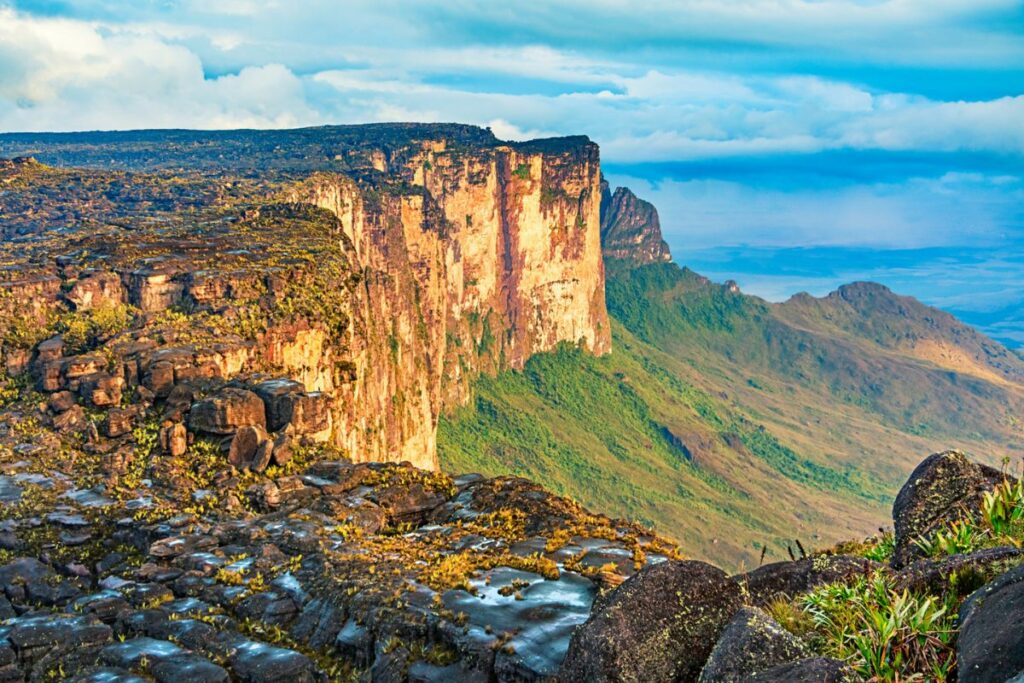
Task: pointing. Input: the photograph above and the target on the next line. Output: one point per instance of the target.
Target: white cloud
(61, 74)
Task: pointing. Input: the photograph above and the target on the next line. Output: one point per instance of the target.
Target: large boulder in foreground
(660, 625)
(943, 488)
(990, 647)
(751, 643)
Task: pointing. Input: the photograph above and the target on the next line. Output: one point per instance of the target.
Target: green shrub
(883, 634)
(883, 550)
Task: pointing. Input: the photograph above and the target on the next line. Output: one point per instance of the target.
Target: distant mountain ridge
(715, 405)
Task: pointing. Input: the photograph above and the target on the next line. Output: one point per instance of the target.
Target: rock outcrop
(991, 642)
(660, 625)
(382, 278)
(630, 228)
(945, 487)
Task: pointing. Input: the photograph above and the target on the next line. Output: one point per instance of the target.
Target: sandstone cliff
(449, 253)
(630, 228)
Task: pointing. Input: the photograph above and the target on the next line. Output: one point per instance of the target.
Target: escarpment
(380, 267)
(630, 228)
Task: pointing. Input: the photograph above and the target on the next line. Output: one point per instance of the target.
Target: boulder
(159, 378)
(100, 389)
(814, 670)
(790, 579)
(279, 397)
(933, 575)
(311, 413)
(943, 488)
(264, 452)
(50, 350)
(991, 643)
(49, 377)
(752, 642)
(174, 439)
(246, 443)
(660, 625)
(118, 422)
(224, 412)
(282, 449)
(61, 401)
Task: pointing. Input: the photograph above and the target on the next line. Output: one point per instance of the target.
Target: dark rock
(752, 642)
(661, 624)
(408, 504)
(226, 411)
(279, 397)
(188, 667)
(245, 444)
(990, 648)
(118, 422)
(355, 643)
(107, 674)
(790, 579)
(258, 663)
(261, 459)
(815, 670)
(61, 401)
(159, 378)
(70, 420)
(318, 624)
(15, 575)
(933, 575)
(131, 653)
(943, 488)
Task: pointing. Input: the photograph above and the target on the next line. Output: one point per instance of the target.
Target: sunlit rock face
(446, 253)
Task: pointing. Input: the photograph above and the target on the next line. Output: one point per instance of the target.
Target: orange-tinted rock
(246, 443)
(96, 290)
(101, 389)
(226, 411)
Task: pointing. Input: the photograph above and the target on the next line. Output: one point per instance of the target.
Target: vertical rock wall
(474, 260)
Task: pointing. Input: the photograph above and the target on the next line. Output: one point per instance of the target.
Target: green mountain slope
(728, 422)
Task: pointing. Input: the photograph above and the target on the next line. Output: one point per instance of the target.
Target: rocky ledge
(383, 572)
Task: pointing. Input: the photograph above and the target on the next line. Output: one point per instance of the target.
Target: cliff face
(454, 254)
(630, 228)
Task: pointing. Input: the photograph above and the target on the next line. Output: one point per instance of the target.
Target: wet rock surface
(374, 570)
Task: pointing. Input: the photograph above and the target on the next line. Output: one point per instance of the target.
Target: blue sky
(788, 144)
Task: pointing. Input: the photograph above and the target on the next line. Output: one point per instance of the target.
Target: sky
(790, 145)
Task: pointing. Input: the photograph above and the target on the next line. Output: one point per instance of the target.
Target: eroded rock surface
(943, 488)
(660, 625)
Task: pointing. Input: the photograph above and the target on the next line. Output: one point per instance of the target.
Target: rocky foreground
(382, 572)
